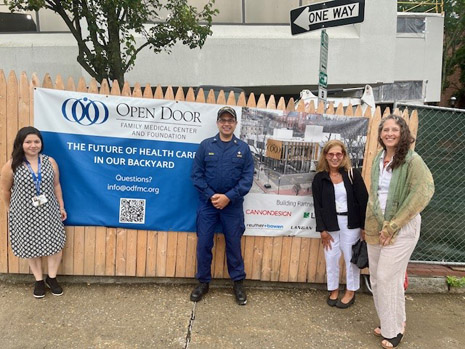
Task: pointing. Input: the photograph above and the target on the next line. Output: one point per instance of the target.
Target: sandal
(393, 342)
(377, 330)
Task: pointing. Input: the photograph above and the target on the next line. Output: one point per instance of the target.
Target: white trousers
(343, 241)
(388, 265)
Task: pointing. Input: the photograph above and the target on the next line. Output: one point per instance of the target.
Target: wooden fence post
(4, 156)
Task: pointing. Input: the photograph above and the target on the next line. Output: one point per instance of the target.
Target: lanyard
(36, 178)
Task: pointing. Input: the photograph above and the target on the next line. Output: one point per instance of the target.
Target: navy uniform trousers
(231, 219)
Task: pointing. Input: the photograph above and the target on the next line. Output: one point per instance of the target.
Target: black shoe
(200, 290)
(394, 341)
(39, 289)
(341, 305)
(239, 292)
(52, 284)
(331, 302)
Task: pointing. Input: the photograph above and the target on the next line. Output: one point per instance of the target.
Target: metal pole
(323, 69)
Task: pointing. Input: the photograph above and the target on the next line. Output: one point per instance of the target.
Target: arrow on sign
(308, 18)
(303, 19)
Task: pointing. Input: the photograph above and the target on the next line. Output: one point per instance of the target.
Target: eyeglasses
(332, 155)
(227, 121)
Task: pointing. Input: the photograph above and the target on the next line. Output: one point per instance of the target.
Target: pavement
(123, 312)
(435, 270)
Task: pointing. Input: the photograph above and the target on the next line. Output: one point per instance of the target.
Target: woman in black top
(340, 199)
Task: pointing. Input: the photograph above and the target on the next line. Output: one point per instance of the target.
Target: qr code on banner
(132, 211)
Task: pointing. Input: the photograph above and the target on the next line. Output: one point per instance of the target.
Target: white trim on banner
(126, 162)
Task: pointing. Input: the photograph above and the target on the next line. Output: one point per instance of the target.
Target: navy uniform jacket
(224, 168)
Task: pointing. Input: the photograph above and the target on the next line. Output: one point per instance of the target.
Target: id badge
(39, 200)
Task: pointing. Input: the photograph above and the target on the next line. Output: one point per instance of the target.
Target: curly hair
(17, 155)
(323, 163)
(406, 139)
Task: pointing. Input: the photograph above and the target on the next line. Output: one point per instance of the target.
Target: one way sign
(327, 14)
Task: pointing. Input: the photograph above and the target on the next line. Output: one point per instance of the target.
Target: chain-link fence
(441, 144)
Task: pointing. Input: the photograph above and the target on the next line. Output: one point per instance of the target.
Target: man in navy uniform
(223, 174)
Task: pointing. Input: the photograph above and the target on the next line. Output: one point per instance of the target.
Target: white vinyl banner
(286, 147)
(126, 162)
(277, 215)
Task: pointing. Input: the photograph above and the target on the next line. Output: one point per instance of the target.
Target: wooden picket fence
(106, 251)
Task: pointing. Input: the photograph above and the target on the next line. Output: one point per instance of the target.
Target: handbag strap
(351, 175)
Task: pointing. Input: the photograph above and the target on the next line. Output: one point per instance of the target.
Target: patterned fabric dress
(35, 231)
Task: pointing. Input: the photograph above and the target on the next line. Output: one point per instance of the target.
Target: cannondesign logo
(268, 212)
(84, 111)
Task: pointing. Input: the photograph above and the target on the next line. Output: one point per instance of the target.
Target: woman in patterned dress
(32, 194)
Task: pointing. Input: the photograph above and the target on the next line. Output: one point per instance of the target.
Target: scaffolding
(427, 6)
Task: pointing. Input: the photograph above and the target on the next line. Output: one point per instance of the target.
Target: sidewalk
(121, 313)
(435, 270)
(431, 278)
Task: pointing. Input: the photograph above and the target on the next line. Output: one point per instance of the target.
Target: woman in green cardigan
(401, 187)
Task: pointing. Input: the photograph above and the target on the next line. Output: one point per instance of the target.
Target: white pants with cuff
(388, 265)
(343, 241)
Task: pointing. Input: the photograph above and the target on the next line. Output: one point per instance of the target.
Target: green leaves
(109, 32)
(19, 5)
(454, 44)
(454, 281)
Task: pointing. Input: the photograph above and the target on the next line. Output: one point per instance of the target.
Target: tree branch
(128, 64)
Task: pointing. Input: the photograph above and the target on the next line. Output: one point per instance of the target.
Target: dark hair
(17, 155)
(406, 139)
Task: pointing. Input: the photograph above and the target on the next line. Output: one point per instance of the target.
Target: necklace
(385, 162)
(335, 177)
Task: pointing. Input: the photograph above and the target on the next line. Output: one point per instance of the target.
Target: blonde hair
(323, 163)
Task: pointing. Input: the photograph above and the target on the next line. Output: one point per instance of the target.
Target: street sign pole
(321, 16)
(323, 71)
